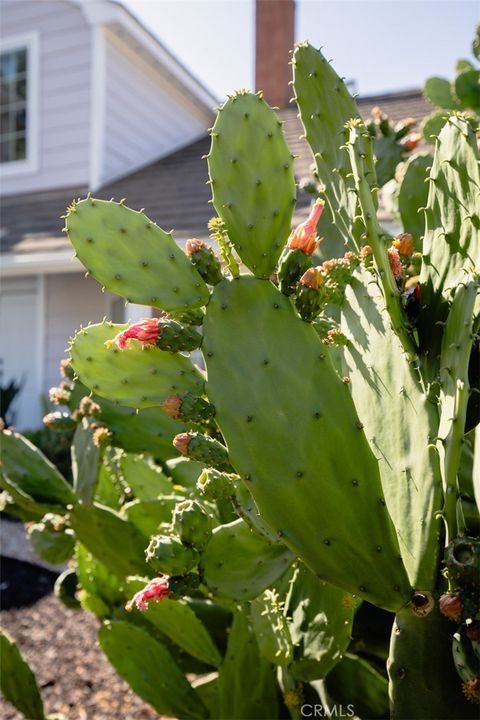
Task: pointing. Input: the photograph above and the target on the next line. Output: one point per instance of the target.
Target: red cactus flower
(304, 237)
(404, 244)
(146, 331)
(471, 689)
(181, 442)
(154, 591)
(395, 262)
(451, 607)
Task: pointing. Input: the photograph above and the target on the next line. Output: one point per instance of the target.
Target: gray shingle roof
(172, 190)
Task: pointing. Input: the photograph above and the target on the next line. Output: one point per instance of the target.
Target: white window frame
(29, 42)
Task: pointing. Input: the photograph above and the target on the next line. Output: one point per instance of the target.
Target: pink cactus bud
(155, 591)
(181, 442)
(404, 244)
(172, 406)
(193, 245)
(146, 331)
(366, 251)
(102, 437)
(311, 278)
(88, 407)
(395, 262)
(304, 237)
(411, 141)
(451, 607)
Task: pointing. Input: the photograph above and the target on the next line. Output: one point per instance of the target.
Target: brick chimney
(274, 38)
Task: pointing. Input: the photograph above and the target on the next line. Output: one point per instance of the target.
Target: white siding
(71, 300)
(64, 92)
(147, 117)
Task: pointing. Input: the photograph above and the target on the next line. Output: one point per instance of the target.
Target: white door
(20, 347)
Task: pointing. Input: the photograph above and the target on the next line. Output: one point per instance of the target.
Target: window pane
(20, 120)
(4, 93)
(21, 61)
(7, 65)
(4, 122)
(20, 149)
(4, 151)
(20, 90)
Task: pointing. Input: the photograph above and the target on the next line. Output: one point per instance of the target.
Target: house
(96, 103)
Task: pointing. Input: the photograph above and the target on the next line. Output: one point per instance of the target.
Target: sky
(382, 45)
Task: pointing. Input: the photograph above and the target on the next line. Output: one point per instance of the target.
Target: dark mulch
(61, 647)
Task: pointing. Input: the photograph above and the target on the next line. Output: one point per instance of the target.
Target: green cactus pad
(139, 377)
(184, 471)
(65, 589)
(271, 628)
(17, 681)
(30, 478)
(321, 618)
(452, 231)
(96, 579)
(325, 105)
(439, 92)
(55, 546)
(177, 620)
(432, 125)
(150, 670)
(148, 515)
(131, 256)
(148, 430)
(144, 478)
(113, 541)
(467, 89)
(296, 440)
(252, 179)
(246, 683)
(239, 564)
(413, 194)
(85, 462)
(401, 425)
(356, 682)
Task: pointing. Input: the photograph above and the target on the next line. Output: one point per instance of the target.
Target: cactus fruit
(142, 250)
(163, 333)
(192, 524)
(215, 485)
(168, 555)
(204, 260)
(188, 408)
(203, 449)
(255, 206)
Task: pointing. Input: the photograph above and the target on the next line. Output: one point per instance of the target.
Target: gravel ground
(74, 676)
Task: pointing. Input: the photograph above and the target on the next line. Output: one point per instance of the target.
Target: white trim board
(30, 41)
(13, 265)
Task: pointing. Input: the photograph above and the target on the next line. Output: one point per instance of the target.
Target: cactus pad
(139, 377)
(255, 198)
(131, 256)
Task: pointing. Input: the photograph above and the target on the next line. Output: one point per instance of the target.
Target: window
(19, 104)
(13, 117)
